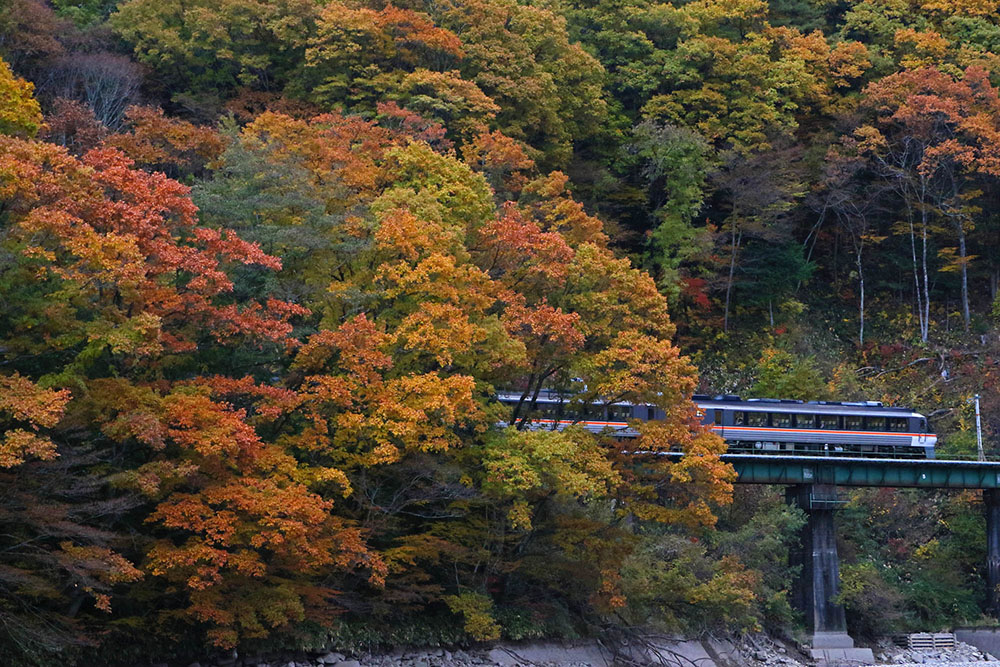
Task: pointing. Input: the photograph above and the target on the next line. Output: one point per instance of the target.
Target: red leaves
(957, 120)
(129, 240)
(166, 143)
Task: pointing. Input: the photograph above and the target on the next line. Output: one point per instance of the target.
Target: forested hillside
(265, 264)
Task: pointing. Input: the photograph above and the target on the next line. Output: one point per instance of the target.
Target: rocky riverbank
(962, 654)
(758, 651)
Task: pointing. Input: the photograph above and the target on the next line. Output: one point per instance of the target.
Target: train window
(923, 425)
(718, 417)
(897, 424)
(739, 419)
(781, 420)
(650, 414)
(829, 421)
(876, 424)
(619, 413)
(853, 423)
(588, 412)
(756, 419)
(547, 410)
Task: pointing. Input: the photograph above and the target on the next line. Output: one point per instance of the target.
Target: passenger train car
(759, 425)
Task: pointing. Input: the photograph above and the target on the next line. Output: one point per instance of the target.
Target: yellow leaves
(921, 48)
(20, 115)
(870, 139)
(711, 13)
(136, 336)
(961, 7)
(730, 590)
(441, 330)
(951, 261)
(848, 61)
(458, 104)
(476, 609)
(642, 368)
(525, 465)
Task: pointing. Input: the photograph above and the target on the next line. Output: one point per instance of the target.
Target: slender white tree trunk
(861, 286)
(737, 239)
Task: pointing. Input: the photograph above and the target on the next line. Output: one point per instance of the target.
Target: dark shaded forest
(264, 266)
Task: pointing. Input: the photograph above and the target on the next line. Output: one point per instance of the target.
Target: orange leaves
(34, 407)
(698, 482)
(371, 410)
(957, 121)
(635, 365)
(503, 159)
(391, 34)
(414, 32)
(18, 445)
(515, 247)
(331, 147)
(359, 344)
(243, 508)
(544, 330)
(196, 422)
(400, 233)
(166, 143)
(28, 402)
(555, 211)
(128, 242)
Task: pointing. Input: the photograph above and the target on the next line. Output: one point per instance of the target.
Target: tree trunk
(925, 325)
(965, 275)
(737, 239)
(916, 271)
(861, 286)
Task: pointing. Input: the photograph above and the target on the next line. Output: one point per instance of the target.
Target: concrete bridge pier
(819, 575)
(991, 502)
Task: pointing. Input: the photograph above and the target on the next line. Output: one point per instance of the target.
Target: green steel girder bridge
(811, 483)
(855, 471)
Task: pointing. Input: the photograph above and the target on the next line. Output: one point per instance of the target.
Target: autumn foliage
(266, 265)
(281, 435)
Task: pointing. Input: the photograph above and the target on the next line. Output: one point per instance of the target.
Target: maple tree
(126, 284)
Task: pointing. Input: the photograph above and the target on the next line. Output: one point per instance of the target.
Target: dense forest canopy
(265, 264)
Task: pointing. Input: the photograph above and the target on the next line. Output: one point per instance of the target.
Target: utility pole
(979, 431)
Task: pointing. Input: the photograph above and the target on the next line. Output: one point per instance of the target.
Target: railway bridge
(811, 483)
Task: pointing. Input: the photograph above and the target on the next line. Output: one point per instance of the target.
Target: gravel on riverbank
(962, 654)
(759, 651)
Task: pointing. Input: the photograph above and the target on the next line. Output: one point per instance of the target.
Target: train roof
(730, 401)
(863, 408)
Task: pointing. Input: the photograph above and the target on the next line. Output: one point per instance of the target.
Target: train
(756, 425)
